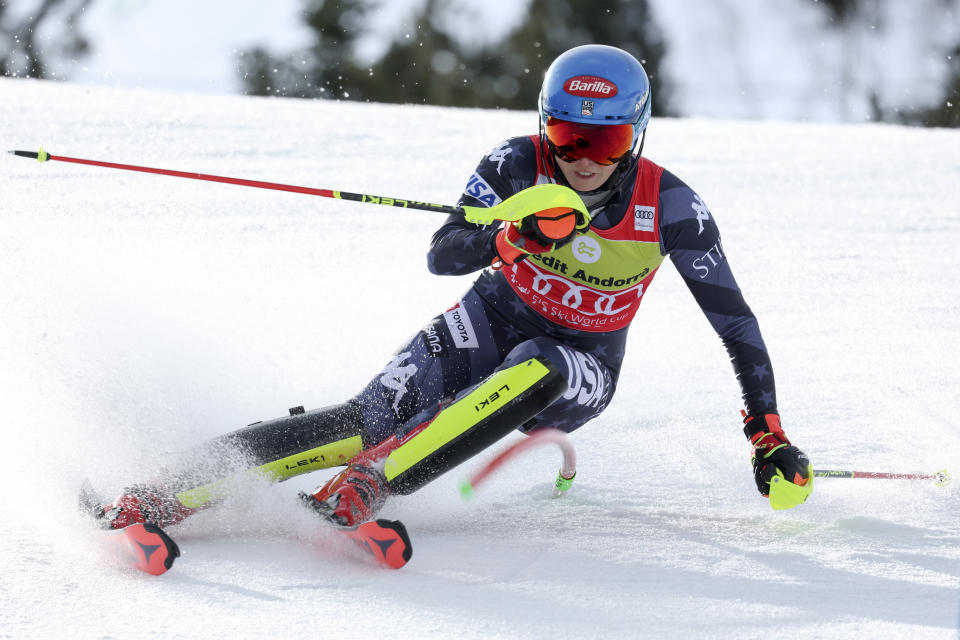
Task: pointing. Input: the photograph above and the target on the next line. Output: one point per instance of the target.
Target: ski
(150, 549)
(143, 546)
(386, 540)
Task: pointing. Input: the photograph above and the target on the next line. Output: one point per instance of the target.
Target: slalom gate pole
(940, 478)
(538, 198)
(567, 473)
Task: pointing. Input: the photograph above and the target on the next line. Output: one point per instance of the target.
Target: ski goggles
(605, 144)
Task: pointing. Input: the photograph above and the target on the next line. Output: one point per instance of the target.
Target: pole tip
(41, 155)
(563, 484)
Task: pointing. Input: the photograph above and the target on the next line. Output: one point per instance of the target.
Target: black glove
(779, 468)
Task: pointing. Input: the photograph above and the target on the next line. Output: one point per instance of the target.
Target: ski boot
(142, 503)
(357, 493)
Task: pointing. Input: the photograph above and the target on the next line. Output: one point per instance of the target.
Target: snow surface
(143, 314)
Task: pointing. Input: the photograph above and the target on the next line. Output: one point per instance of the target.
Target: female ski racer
(538, 340)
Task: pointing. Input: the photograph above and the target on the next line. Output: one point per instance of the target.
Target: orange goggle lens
(603, 143)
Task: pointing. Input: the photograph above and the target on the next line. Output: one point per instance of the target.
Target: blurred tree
(840, 11)
(947, 114)
(434, 66)
(861, 77)
(22, 53)
(323, 69)
(856, 22)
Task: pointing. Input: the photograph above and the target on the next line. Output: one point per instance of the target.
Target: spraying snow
(143, 314)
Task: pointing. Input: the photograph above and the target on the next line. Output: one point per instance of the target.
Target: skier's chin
(589, 182)
(585, 176)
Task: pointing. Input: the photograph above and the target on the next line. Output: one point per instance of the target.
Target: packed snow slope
(144, 314)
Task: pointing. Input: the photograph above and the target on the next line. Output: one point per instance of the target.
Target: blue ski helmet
(597, 84)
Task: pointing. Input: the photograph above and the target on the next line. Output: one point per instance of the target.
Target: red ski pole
(43, 156)
(941, 477)
(538, 198)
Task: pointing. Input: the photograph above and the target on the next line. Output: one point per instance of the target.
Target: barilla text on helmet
(590, 87)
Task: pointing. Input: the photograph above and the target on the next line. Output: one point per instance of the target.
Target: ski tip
(150, 549)
(386, 540)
